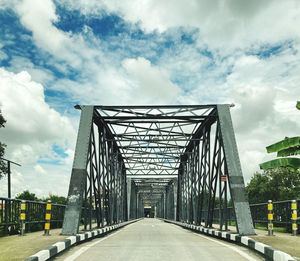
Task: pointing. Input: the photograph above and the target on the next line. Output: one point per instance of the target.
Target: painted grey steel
(175, 184)
(236, 180)
(79, 173)
(128, 197)
(176, 157)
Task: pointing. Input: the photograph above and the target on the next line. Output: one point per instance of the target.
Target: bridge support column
(79, 173)
(175, 186)
(128, 197)
(140, 206)
(236, 181)
(133, 201)
(164, 204)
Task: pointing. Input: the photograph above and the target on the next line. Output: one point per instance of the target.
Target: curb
(267, 251)
(73, 240)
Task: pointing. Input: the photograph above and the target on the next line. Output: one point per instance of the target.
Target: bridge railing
(35, 215)
(281, 209)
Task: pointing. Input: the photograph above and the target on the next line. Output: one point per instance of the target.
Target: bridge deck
(152, 239)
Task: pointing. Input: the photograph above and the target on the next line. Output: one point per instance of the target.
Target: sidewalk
(280, 241)
(16, 248)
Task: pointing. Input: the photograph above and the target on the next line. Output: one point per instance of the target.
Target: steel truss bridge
(182, 161)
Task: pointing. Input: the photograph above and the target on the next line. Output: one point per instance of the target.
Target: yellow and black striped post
(23, 216)
(270, 218)
(294, 217)
(47, 218)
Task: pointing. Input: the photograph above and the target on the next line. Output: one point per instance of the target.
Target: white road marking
(242, 253)
(87, 247)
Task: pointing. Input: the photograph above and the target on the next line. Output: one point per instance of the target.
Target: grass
(276, 229)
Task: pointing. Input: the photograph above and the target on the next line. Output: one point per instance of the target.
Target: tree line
(282, 183)
(55, 199)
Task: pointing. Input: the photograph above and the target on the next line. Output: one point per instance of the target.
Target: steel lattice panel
(172, 156)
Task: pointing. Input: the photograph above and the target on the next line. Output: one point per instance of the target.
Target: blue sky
(55, 54)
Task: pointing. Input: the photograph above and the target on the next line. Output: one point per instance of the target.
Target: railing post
(6, 219)
(270, 218)
(23, 216)
(47, 218)
(294, 217)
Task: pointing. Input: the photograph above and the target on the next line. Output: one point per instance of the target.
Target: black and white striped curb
(267, 251)
(72, 240)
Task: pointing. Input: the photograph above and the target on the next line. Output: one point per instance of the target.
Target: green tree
(3, 165)
(277, 184)
(258, 189)
(57, 199)
(26, 195)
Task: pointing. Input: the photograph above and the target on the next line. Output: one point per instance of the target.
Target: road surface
(152, 239)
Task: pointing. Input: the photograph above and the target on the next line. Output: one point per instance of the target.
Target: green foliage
(57, 199)
(26, 195)
(282, 162)
(282, 183)
(258, 189)
(289, 152)
(286, 147)
(3, 165)
(284, 144)
(2, 120)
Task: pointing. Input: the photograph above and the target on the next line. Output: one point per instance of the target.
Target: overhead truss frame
(194, 142)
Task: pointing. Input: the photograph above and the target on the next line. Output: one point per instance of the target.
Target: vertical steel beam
(175, 185)
(128, 197)
(79, 173)
(244, 223)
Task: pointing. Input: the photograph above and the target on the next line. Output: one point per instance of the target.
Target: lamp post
(8, 175)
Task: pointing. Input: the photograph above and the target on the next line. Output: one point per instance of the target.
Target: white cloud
(32, 129)
(39, 18)
(264, 89)
(222, 24)
(38, 73)
(30, 120)
(149, 83)
(265, 93)
(39, 169)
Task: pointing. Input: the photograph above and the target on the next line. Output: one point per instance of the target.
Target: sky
(55, 54)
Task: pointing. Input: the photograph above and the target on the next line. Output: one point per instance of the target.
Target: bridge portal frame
(206, 168)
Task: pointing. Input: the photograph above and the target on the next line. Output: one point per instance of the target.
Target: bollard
(294, 217)
(23, 216)
(270, 218)
(47, 218)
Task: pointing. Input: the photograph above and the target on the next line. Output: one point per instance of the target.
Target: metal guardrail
(35, 216)
(282, 212)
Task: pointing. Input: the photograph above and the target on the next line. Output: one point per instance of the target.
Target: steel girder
(181, 160)
(98, 180)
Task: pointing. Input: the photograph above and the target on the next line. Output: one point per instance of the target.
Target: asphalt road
(152, 239)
